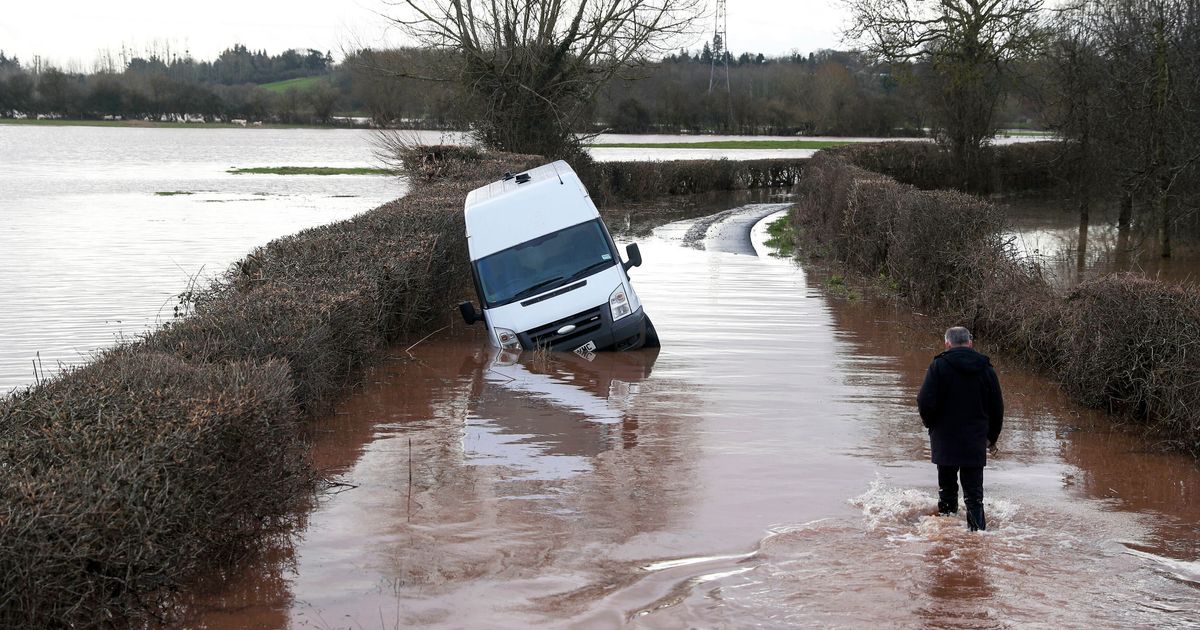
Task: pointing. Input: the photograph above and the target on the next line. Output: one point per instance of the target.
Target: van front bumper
(594, 326)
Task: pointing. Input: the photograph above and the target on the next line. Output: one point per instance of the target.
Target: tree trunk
(1081, 251)
(1126, 216)
(1162, 204)
(1122, 261)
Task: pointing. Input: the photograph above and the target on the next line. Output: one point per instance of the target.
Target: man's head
(959, 337)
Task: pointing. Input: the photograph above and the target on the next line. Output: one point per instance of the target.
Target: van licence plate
(586, 349)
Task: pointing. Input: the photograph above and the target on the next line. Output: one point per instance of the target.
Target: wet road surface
(766, 468)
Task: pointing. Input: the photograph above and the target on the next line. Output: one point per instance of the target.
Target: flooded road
(765, 468)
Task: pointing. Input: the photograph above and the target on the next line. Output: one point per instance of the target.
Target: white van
(546, 270)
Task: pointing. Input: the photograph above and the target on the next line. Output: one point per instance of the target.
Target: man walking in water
(961, 405)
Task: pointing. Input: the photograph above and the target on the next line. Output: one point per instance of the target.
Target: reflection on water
(536, 415)
(766, 468)
(1049, 231)
(469, 467)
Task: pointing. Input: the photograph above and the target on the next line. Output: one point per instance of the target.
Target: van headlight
(618, 303)
(508, 339)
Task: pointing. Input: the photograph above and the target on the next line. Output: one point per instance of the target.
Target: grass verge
(782, 236)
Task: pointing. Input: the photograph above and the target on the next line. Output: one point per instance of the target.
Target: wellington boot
(975, 519)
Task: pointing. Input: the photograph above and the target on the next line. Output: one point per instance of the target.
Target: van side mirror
(468, 313)
(634, 255)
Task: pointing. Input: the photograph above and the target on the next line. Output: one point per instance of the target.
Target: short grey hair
(958, 336)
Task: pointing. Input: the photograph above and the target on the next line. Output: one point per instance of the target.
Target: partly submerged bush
(1019, 166)
(934, 245)
(1132, 345)
(119, 477)
(635, 181)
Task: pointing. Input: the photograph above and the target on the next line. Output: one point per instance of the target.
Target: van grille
(587, 322)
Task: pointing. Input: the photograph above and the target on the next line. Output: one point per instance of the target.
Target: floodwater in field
(609, 154)
(90, 250)
(765, 468)
(1047, 230)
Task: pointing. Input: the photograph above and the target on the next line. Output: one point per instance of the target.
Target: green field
(302, 83)
(308, 170)
(725, 144)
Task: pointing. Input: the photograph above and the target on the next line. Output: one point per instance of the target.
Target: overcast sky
(74, 31)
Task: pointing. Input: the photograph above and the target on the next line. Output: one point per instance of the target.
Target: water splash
(889, 508)
(885, 507)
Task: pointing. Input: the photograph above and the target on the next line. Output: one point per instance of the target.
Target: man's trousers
(972, 485)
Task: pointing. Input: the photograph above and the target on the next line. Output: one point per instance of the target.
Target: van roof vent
(523, 177)
(508, 175)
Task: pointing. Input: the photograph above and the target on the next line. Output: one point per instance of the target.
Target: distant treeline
(828, 92)
(824, 93)
(158, 87)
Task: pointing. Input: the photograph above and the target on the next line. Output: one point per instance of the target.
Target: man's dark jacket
(961, 405)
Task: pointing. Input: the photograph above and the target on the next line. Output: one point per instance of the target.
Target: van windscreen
(544, 263)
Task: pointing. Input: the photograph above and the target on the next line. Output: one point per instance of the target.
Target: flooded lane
(766, 467)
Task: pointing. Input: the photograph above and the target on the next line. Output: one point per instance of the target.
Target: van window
(544, 263)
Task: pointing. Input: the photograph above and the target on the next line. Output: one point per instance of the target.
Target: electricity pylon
(720, 44)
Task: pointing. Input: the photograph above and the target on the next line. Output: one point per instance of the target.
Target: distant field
(725, 144)
(61, 122)
(307, 170)
(145, 123)
(302, 83)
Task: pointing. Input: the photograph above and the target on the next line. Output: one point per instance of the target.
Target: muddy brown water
(766, 468)
(1048, 230)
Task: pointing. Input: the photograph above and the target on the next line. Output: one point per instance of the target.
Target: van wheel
(651, 336)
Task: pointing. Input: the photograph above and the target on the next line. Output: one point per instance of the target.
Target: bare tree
(1151, 50)
(968, 45)
(323, 98)
(534, 67)
(1071, 80)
